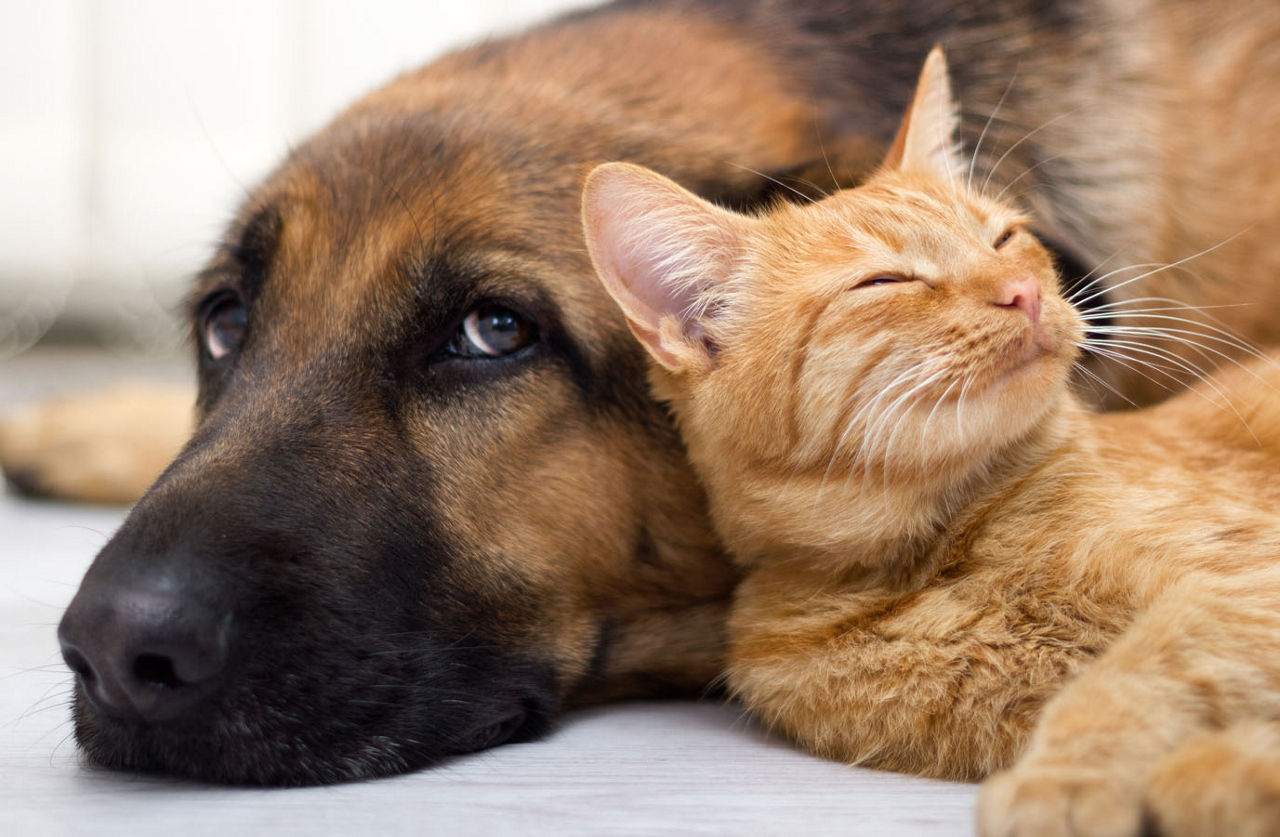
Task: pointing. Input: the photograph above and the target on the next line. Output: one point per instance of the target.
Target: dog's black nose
(144, 651)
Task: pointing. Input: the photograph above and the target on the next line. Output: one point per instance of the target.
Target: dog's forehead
(377, 218)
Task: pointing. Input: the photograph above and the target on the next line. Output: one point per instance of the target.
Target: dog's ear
(926, 140)
(665, 256)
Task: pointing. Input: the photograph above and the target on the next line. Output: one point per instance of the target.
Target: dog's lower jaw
(256, 745)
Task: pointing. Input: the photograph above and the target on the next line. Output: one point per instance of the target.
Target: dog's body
(384, 544)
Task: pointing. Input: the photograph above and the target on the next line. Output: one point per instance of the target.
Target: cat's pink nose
(1023, 294)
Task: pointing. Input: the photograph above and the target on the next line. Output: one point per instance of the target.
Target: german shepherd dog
(429, 501)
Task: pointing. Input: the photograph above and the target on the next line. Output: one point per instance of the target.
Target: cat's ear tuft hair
(926, 140)
(663, 254)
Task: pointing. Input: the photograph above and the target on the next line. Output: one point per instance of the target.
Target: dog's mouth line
(515, 719)
(252, 748)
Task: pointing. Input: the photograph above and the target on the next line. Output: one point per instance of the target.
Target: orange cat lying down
(953, 567)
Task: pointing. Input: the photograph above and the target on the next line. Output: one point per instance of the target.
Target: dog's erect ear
(926, 140)
(664, 255)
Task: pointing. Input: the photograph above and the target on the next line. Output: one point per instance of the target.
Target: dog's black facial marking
(345, 600)
(255, 250)
(423, 364)
(429, 356)
(224, 296)
(360, 643)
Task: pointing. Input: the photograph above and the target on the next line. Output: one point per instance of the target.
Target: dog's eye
(492, 331)
(223, 325)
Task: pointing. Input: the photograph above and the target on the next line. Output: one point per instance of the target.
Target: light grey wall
(130, 128)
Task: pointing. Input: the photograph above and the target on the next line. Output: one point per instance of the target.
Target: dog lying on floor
(428, 501)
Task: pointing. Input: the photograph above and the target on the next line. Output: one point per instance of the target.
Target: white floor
(625, 769)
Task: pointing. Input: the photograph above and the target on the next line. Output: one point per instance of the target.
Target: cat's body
(952, 565)
(939, 663)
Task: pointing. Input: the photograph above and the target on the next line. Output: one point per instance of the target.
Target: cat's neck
(865, 517)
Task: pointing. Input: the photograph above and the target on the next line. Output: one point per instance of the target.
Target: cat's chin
(1017, 396)
(1037, 368)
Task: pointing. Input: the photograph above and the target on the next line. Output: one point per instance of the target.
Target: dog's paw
(101, 447)
(1219, 783)
(1039, 802)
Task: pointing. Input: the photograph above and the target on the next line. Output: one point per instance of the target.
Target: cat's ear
(661, 252)
(926, 140)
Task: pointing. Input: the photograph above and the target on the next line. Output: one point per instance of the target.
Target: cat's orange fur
(954, 568)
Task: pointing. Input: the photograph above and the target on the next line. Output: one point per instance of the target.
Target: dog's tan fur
(595, 510)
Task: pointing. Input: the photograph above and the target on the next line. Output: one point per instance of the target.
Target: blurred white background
(129, 129)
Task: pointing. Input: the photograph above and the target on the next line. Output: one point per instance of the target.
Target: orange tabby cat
(953, 567)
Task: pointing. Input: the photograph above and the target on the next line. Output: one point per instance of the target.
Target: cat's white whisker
(903, 412)
(964, 390)
(1170, 266)
(835, 181)
(1203, 329)
(1170, 305)
(1047, 123)
(977, 148)
(1199, 374)
(1092, 283)
(924, 430)
(776, 181)
(871, 424)
(1097, 315)
(904, 378)
(1094, 377)
(1164, 355)
(1067, 292)
(1025, 172)
(891, 409)
(1184, 336)
(1135, 366)
(872, 428)
(1191, 338)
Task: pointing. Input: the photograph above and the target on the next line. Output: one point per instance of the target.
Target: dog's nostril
(148, 651)
(156, 670)
(77, 663)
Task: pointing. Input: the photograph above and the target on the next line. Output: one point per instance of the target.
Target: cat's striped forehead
(887, 220)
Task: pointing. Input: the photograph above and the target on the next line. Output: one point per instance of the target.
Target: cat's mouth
(1027, 355)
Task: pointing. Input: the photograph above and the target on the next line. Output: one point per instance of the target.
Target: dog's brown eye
(1004, 238)
(493, 331)
(223, 326)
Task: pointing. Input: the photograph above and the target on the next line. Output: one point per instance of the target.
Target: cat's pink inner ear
(654, 246)
(926, 140)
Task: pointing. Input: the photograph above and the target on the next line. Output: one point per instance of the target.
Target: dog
(429, 503)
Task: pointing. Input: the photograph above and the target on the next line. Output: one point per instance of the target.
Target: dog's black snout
(144, 652)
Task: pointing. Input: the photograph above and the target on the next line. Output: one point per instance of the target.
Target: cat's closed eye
(1004, 237)
(882, 279)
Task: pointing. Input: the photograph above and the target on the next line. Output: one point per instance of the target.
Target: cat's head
(907, 322)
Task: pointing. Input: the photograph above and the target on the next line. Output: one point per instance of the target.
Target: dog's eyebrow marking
(255, 250)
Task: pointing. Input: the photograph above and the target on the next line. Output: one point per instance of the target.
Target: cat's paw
(1224, 782)
(1041, 802)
